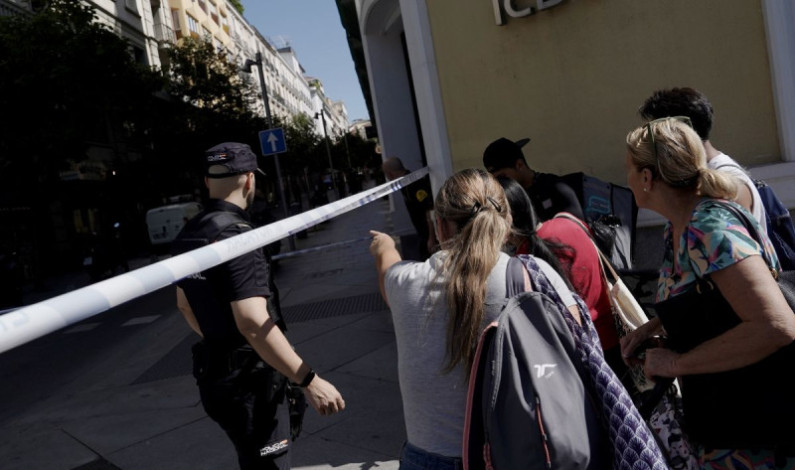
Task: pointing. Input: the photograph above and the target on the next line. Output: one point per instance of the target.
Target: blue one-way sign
(272, 141)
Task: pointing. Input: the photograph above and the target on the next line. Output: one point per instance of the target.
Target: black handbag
(750, 407)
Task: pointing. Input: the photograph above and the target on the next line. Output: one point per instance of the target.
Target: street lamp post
(328, 150)
(268, 123)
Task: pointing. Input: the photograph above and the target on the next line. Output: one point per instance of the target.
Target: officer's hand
(324, 397)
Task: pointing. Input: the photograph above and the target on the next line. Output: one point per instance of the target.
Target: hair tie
(494, 203)
(476, 207)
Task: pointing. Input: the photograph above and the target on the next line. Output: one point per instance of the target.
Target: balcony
(9, 8)
(163, 33)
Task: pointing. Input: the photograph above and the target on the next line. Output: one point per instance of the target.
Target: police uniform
(239, 391)
(419, 200)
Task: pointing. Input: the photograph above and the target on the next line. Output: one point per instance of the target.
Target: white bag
(625, 307)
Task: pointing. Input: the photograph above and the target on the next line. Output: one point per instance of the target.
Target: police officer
(419, 204)
(244, 360)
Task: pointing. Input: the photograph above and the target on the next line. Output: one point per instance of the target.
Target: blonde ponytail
(717, 184)
(476, 205)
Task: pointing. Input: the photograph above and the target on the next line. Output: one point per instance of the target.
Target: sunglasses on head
(652, 142)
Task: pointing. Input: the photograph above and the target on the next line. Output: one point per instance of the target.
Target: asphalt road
(64, 360)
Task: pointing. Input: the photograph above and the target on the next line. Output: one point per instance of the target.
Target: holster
(212, 363)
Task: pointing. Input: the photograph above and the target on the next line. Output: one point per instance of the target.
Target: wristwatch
(308, 378)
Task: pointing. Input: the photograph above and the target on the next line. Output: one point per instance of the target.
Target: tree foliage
(207, 79)
(70, 87)
(238, 6)
(67, 80)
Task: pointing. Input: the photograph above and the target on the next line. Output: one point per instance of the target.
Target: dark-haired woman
(564, 244)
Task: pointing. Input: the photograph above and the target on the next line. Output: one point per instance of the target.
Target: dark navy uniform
(419, 200)
(243, 394)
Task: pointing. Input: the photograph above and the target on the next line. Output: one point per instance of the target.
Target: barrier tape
(34, 321)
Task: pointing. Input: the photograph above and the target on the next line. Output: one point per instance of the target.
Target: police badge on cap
(230, 159)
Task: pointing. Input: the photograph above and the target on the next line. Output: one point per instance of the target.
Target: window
(207, 34)
(131, 5)
(139, 55)
(214, 12)
(225, 24)
(193, 25)
(175, 20)
(203, 5)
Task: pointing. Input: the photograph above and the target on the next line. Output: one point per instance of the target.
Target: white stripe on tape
(34, 321)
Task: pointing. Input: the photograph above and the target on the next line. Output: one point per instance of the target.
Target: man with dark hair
(243, 361)
(549, 193)
(695, 105)
(419, 204)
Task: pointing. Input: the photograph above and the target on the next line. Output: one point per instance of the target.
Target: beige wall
(573, 76)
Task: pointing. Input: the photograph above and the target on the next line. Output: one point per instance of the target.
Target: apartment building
(151, 26)
(335, 113)
(145, 24)
(202, 19)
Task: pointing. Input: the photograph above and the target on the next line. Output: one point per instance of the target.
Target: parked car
(165, 222)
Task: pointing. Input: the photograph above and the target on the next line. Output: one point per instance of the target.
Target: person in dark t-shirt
(549, 193)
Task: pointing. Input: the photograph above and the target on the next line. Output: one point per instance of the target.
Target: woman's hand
(383, 250)
(381, 243)
(660, 362)
(634, 339)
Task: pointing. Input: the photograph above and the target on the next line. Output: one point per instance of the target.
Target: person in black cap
(549, 193)
(243, 362)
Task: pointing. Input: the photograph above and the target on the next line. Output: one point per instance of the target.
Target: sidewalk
(138, 408)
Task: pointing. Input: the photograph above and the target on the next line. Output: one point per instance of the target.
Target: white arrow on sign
(272, 139)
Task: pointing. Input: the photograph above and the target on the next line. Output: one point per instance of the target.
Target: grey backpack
(527, 406)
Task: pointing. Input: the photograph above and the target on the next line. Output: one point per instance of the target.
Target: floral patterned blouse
(714, 239)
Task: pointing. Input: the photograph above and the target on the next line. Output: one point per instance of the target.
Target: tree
(207, 79)
(66, 80)
(69, 84)
(238, 6)
(351, 147)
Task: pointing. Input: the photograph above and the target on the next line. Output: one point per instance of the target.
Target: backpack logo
(544, 371)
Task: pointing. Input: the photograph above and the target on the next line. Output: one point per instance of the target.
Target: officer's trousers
(250, 406)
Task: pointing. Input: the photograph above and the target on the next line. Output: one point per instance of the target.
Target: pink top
(586, 274)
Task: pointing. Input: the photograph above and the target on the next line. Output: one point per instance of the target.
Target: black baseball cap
(503, 153)
(230, 159)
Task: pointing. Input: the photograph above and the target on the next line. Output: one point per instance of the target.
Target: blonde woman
(439, 308)
(729, 328)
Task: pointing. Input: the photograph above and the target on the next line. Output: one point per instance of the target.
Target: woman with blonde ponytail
(728, 326)
(440, 307)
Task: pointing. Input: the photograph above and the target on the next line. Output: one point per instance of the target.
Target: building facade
(448, 77)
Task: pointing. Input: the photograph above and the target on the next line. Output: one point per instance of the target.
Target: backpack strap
(604, 263)
(515, 277)
(744, 217)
